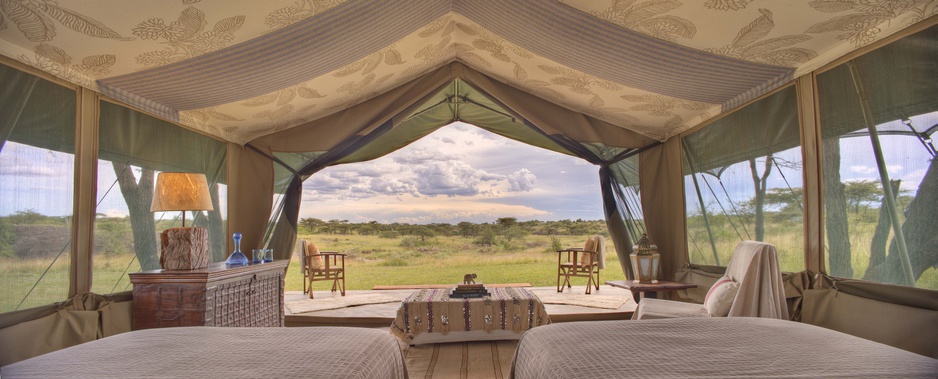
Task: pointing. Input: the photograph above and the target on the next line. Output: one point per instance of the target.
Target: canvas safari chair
(321, 265)
(582, 262)
(751, 287)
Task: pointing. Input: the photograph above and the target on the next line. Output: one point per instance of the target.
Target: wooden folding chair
(320, 266)
(579, 262)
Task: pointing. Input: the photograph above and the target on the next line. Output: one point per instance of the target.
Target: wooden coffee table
(650, 290)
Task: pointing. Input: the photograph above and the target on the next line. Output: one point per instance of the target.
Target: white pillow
(719, 299)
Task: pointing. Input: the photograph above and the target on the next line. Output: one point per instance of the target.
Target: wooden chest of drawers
(214, 296)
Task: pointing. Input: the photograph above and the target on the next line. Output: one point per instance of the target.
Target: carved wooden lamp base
(184, 248)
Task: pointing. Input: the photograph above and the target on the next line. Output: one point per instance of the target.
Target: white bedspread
(207, 352)
(726, 347)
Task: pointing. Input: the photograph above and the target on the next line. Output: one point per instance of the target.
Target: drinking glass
(258, 256)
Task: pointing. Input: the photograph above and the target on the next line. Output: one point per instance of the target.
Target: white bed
(726, 347)
(207, 352)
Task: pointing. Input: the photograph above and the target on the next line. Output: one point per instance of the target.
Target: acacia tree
(312, 224)
(138, 194)
(760, 184)
(920, 236)
(835, 204)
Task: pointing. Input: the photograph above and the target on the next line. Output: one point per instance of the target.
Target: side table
(650, 290)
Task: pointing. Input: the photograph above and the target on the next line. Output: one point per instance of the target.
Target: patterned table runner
(432, 310)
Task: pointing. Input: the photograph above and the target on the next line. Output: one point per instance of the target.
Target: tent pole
(884, 176)
(703, 210)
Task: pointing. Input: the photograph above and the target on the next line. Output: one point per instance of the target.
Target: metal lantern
(645, 261)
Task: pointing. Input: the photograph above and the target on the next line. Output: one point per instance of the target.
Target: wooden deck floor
(376, 315)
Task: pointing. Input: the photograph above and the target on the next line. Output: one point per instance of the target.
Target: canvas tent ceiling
(246, 69)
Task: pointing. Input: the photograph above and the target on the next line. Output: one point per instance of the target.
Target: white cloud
(28, 171)
(389, 209)
(860, 169)
(522, 180)
(912, 180)
(452, 178)
(461, 173)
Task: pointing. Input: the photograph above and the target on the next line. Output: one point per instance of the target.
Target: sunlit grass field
(406, 260)
(376, 261)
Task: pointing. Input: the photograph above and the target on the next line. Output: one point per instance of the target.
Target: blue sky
(458, 173)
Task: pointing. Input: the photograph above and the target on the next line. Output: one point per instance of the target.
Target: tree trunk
(760, 186)
(835, 218)
(138, 196)
(881, 234)
(217, 235)
(920, 236)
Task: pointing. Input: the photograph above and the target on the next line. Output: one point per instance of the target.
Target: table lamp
(182, 248)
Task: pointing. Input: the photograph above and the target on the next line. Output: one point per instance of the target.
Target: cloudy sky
(458, 173)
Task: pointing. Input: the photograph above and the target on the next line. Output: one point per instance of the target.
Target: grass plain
(374, 260)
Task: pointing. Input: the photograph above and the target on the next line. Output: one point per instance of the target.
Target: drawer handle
(175, 316)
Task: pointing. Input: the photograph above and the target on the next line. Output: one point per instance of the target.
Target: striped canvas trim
(608, 51)
(757, 91)
(294, 54)
(140, 102)
(352, 30)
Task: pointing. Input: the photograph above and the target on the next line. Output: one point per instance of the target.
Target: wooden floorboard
(434, 286)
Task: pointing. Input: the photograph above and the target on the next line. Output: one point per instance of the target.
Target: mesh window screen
(133, 148)
(886, 138)
(743, 181)
(37, 143)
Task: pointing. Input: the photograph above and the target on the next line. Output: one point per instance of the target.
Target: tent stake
(884, 176)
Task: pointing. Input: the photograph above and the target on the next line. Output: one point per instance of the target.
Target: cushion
(590, 245)
(313, 257)
(720, 298)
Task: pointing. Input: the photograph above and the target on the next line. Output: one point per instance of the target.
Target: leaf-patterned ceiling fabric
(243, 69)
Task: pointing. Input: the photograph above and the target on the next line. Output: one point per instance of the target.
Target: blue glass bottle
(237, 258)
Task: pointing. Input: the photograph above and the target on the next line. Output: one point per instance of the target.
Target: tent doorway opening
(460, 200)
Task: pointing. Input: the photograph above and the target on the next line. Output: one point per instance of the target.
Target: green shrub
(393, 262)
(555, 244)
(410, 242)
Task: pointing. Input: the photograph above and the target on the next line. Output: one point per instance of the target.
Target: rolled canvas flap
(704, 280)
(907, 328)
(46, 334)
(116, 318)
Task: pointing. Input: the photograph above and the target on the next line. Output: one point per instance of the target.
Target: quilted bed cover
(728, 347)
(210, 352)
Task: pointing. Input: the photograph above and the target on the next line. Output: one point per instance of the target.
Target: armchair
(321, 266)
(582, 262)
(751, 287)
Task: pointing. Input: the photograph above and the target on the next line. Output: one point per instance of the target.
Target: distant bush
(555, 244)
(486, 238)
(389, 234)
(394, 262)
(410, 242)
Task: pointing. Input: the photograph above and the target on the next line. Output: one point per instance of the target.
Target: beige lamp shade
(181, 191)
(182, 248)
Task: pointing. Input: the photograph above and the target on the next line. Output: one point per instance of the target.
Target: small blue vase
(237, 258)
